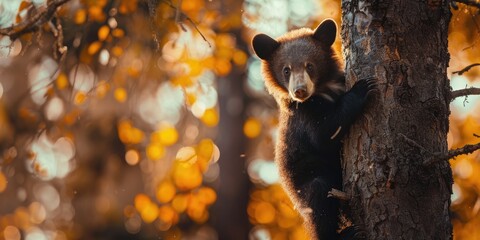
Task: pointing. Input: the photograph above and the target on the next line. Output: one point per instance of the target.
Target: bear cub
(303, 75)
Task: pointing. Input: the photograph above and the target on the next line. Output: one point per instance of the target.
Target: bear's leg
(322, 217)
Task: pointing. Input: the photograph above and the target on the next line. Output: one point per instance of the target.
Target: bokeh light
(113, 116)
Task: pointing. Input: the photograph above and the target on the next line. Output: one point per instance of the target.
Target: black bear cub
(302, 73)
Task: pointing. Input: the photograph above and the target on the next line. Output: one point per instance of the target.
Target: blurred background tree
(126, 119)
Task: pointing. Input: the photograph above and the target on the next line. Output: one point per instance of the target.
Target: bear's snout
(301, 92)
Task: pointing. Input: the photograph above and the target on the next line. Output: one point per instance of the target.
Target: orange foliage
(3, 182)
(271, 208)
(465, 198)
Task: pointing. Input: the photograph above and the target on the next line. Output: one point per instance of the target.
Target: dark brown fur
(324, 57)
(310, 128)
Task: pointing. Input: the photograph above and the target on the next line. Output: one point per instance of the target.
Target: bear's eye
(286, 71)
(309, 67)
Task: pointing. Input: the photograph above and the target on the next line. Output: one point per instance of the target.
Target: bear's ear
(264, 46)
(326, 32)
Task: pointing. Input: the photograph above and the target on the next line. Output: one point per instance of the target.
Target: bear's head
(301, 63)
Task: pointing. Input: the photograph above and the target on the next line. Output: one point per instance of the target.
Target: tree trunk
(229, 212)
(403, 43)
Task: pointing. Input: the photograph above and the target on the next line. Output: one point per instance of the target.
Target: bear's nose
(300, 93)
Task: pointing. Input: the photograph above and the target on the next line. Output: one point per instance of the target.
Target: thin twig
(466, 69)
(430, 156)
(179, 16)
(43, 15)
(57, 30)
(465, 92)
(178, 12)
(152, 10)
(412, 142)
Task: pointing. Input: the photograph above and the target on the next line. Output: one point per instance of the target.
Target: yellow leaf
(103, 32)
(179, 203)
(252, 127)
(197, 210)
(96, 13)
(209, 62)
(3, 182)
(299, 233)
(196, 67)
(192, 5)
(264, 213)
(149, 213)
(120, 94)
(127, 6)
(62, 81)
(71, 117)
(118, 33)
(210, 117)
(168, 135)
(117, 51)
(102, 89)
(182, 81)
(186, 154)
(223, 67)
(205, 149)
(191, 98)
(207, 195)
(22, 11)
(22, 218)
(133, 72)
(136, 136)
(94, 47)
(24, 5)
(225, 41)
(155, 151)
(240, 57)
(187, 176)
(165, 192)
(129, 134)
(80, 16)
(224, 52)
(80, 98)
(167, 214)
(50, 92)
(141, 201)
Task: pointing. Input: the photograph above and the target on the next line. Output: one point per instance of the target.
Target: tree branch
(465, 92)
(42, 16)
(335, 193)
(472, 3)
(467, 149)
(57, 30)
(466, 69)
(439, 156)
(152, 10)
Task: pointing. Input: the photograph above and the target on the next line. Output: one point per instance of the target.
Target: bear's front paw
(364, 87)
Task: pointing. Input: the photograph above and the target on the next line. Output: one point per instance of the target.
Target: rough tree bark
(395, 192)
